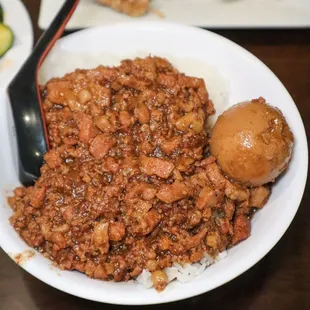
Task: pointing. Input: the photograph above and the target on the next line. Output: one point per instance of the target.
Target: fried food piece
(133, 8)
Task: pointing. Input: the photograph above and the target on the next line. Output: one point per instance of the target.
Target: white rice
(183, 274)
(60, 61)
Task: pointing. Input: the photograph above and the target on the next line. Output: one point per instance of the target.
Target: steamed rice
(183, 274)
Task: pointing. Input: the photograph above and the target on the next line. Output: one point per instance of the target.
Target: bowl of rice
(130, 207)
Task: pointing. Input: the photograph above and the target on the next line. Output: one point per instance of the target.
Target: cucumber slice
(6, 39)
(1, 14)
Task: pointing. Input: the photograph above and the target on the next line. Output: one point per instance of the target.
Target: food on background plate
(6, 35)
(252, 142)
(133, 8)
(129, 189)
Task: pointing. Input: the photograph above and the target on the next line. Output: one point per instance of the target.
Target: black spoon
(25, 98)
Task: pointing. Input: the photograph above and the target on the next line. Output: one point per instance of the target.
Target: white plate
(17, 17)
(247, 77)
(205, 13)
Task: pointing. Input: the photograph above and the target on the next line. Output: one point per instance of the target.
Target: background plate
(205, 13)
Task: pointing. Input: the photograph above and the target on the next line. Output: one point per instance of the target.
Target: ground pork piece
(101, 145)
(142, 113)
(117, 231)
(229, 208)
(86, 127)
(160, 280)
(160, 167)
(60, 91)
(242, 228)
(125, 119)
(141, 219)
(130, 7)
(100, 273)
(236, 192)
(207, 198)
(173, 192)
(170, 145)
(213, 240)
(103, 123)
(192, 120)
(144, 190)
(57, 238)
(259, 196)
(37, 195)
(32, 238)
(184, 241)
(215, 175)
(100, 237)
(111, 165)
(53, 159)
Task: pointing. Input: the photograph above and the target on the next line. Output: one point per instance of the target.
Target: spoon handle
(25, 98)
(54, 31)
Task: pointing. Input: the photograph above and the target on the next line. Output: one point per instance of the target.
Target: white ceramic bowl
(247, 78)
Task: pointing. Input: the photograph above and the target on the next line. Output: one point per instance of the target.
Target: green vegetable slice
(6, 39)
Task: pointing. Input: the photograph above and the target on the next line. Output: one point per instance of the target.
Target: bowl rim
(260, 254)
